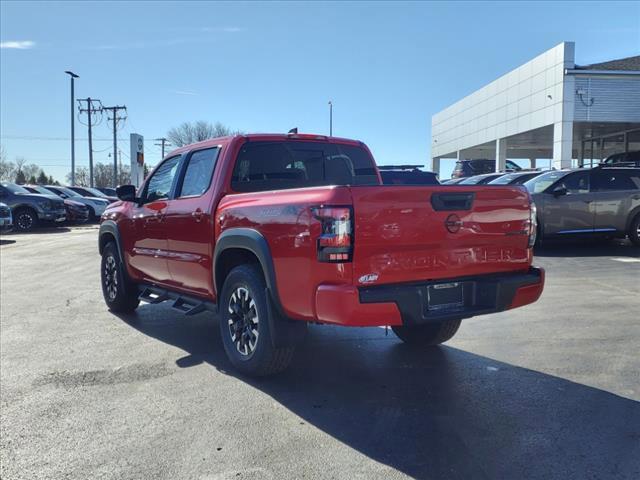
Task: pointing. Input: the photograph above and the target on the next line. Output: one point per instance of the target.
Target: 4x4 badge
(453, 223)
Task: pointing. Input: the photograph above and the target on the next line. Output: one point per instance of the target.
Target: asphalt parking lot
(549, 391)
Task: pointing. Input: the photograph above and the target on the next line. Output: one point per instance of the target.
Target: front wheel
(245, 326)
(429, 334)
(120, 295)
(25, 220)
(634, 231)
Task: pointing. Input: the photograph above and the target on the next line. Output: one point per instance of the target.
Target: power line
(164, 142)
(92, 106)
(115, 118)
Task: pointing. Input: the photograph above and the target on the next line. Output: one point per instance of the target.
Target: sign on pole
(137, 159)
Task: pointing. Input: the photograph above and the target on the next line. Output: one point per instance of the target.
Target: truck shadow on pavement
(440, 413)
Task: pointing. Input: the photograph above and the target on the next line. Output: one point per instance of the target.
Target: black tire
(634, 231)
(429, 334)
(92, 215)
(245, 327)
(25, 219)
(120, 295)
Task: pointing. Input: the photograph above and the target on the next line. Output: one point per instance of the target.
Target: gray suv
(29, 209)
(601, 201)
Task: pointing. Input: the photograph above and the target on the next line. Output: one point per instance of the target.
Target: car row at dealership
(25, 207)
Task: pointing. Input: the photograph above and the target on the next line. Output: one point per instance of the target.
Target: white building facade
(547, 108)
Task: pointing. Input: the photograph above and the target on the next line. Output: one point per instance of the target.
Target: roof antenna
(293, 131)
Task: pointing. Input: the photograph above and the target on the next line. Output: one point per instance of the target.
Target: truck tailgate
(418, 233)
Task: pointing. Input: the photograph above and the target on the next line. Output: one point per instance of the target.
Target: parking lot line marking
(626, 259)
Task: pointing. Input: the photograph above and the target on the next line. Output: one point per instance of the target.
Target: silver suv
(601, 201)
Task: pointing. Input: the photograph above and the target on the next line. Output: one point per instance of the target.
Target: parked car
(274, 231)
(515, 178)
(407, 175)
(628, 158)
(6, 219)
(30, 209)
(76, 212)
(93, 192)
(96, 205)
(601, 201)
(479, 166)
(110, 192)
(452, 181)
(480, 179)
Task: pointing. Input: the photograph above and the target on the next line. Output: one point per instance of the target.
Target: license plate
(445, 296)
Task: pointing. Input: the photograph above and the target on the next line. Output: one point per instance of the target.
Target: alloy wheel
(243, 321)
(111, 277)
(24, 221)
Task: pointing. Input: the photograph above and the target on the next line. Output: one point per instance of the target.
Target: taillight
(335, 243)
(533, 224)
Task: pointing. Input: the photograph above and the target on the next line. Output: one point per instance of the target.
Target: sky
(269, 67)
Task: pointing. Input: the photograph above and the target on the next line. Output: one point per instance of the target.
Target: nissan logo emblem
(453, 223)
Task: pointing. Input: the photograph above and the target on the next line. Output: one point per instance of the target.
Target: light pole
(73, 129)
(330, 118)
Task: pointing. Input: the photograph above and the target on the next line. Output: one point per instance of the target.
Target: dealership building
(548, 108)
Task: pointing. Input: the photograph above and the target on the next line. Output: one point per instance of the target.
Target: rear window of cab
(278, 165)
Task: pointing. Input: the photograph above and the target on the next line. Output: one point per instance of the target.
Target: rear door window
(606, 180)
(264, 166)
(197, 176)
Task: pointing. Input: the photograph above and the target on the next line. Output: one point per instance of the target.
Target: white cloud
(18, 44)
(184, 92)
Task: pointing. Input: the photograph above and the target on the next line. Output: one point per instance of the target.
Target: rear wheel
(429, 334)
(119, 293)
(634, 231)
(25, 219)
(245, 326)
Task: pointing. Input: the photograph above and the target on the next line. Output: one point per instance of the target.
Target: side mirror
(559, 191)
(126, 193)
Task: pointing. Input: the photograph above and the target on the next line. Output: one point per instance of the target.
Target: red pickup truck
(275, 231)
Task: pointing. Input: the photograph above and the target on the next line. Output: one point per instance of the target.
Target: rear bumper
(407, 304)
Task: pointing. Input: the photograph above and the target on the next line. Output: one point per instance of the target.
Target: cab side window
(606, 180)
(576, 182)
(160, 183)
(199, 171)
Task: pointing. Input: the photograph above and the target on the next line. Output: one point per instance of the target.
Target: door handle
(197, 214)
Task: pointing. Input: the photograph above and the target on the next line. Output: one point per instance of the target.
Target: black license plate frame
(445, 297)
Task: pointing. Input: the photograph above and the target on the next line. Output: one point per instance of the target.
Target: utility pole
(73, 129)
(330, 118)
(90, 109)
(116, 119)
(163, 141)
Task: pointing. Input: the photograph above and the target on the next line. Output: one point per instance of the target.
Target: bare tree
(192, 132)
(82, 177)
(7, 169)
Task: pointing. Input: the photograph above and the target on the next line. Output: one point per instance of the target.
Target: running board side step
(182, 303)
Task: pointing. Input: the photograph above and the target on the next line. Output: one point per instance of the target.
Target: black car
(29, 209)
(406, 175)
(479, 166)
(627, 158)
(76, 211)
(515, 178)
(110, 192)
(480, 179)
